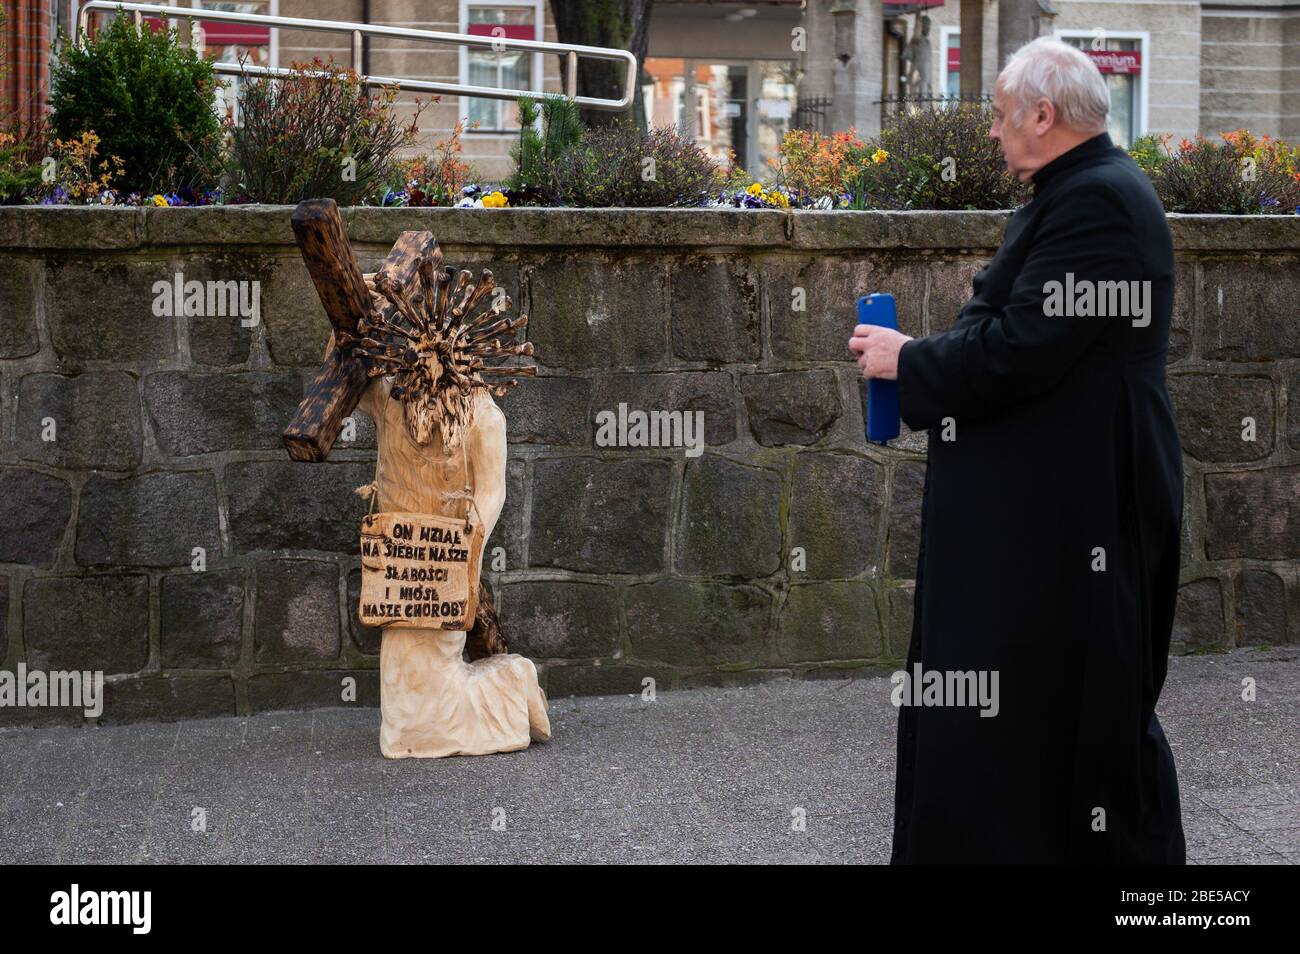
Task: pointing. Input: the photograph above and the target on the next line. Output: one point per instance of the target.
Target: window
(1119, 56)
(665, 94)
(721, 110)
(224, 42)
(510, 69)
(950, 64)
(741, 107)
(778, 95)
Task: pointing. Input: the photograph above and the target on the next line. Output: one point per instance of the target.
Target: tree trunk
(972, 47)
(619, 24)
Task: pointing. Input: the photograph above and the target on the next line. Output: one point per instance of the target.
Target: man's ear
(1044, 116)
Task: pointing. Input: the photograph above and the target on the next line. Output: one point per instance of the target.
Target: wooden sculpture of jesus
(432, 702)
(412, 346)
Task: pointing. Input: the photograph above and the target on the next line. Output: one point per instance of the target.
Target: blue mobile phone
(882, 396)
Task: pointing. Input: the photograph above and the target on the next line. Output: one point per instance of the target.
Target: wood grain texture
(433, 703)
(419, 571)
(323, 242)
(411, 251)
(331, 397)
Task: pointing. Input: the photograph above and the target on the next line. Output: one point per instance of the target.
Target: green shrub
(621, 165)
(315, 134)
(1241, 175)
(939, 159)
(22, 149)
(536, 153)
(147, 97)
(1150, 152)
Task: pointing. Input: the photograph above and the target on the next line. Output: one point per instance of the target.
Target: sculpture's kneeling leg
(434, 704)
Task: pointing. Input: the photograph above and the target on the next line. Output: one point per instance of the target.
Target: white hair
(1063, 75)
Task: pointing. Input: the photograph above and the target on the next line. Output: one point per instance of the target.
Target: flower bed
(318, 134)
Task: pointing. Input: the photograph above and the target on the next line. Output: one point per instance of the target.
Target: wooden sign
(419, 570)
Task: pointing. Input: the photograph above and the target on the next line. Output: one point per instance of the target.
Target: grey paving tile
(1264, 818)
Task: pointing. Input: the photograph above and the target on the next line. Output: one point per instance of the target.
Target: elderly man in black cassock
(1051, 511)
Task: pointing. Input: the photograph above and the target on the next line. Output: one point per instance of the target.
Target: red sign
(1108, 61)
(1116, 61)
(505, 31)
(222, 33)
(234, 34)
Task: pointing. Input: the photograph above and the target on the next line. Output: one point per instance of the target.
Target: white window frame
(1144, 47)
(535, 72)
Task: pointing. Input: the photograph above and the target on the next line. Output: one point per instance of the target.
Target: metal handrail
(359, 30)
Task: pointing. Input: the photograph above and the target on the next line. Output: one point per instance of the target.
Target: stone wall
(787, 547)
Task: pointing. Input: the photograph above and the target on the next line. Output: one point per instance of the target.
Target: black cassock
(1049, 540)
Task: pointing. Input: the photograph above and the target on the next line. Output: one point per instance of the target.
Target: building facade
(736, 75)
(1249, 68)
(1148, 50)
(26, 34)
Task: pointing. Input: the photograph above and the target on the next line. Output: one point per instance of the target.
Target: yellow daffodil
(495, 200)
(159, 201)
(879, 156)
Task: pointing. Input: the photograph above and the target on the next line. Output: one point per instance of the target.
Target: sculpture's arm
(486, 450)
(373, 398)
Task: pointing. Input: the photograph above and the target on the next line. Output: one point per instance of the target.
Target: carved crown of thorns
(439, 337)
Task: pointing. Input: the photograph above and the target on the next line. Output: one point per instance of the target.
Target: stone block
(600, 516)
(202, 619)
(296, 616)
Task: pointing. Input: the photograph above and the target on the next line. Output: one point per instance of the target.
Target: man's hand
(877, 350)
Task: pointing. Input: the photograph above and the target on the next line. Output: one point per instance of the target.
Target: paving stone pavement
(702, 775)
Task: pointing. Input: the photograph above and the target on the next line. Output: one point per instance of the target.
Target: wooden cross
(338, 387)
